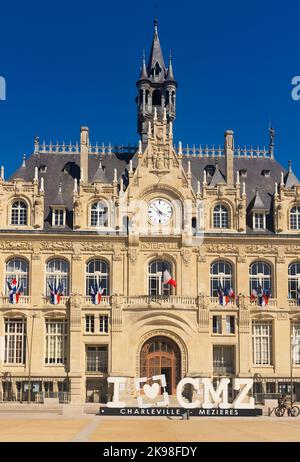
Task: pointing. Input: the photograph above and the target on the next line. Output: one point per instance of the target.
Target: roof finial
(24, 160)
(290, 166)
(271, 141)
(155, 27)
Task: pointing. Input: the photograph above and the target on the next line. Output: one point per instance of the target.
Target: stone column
(84, 153)
(229, 153)
(75, 353)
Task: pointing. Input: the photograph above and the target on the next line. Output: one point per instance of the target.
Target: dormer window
(58, 217)
(210, 170)
(42, 168)
(243, 173)
(18, 213)
(265, 173)
(259, 220)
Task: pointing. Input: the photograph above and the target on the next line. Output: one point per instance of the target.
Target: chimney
(229, 153)
(84, 153)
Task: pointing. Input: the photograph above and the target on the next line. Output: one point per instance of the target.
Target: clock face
(159, 211)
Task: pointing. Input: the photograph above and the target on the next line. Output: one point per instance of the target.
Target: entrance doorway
(160, 355)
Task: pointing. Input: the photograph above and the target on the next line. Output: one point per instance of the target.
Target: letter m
(219, 396)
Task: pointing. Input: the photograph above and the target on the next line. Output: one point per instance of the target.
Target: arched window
(18, 213)
(260, 275)
(155, 278)
(57, 274)
(17, 268)
(156, 98)
(220, 217)
(99, 214)
(220, 275)
(97, 275)
(295, 218)
(294, 280)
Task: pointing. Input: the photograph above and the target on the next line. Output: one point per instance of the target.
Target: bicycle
(292, 411)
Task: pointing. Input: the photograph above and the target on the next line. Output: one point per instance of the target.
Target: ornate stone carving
(16, 245)
(133, 254)
(282, 316)
(57, 245)
(38, 213)
(186, 256)
(221, 248)
(96, 246)
(261, 249)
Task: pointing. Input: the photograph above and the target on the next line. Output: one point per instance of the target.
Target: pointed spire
(156, 56)
(59, 200)
(244, 189)
(180, 148)
(144, 73)
(42, 188)
(170, 73)
(22, 172)
(258, 203)
(100, 176)
(290, 179)
(198, 188)
(140, 151)
(75, 190)
(217, 178)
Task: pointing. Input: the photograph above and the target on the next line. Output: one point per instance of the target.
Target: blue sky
(68, 64)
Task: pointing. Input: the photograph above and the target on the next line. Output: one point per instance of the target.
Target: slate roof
(254, 179)
(65, 167)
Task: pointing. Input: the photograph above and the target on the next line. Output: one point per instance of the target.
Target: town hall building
(131, 262)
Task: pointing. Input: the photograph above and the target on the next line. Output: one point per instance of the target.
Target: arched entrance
(161, 355)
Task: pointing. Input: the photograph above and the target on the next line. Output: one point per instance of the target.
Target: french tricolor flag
(15, 290)
(96, 293)
(55, 294)
(223, 296)
(167, 278)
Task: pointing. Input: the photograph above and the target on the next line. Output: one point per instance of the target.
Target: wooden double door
(161, 355)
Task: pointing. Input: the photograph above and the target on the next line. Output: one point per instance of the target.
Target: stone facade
(195, 334)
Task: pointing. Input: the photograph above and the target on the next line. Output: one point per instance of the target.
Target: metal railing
(160, 299)
(23, 300)
(105, 300)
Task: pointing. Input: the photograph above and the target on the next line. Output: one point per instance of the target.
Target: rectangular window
(230, 324)
(97, 359)
(262, 343)
(103, 323)
(58, 217)
(90, 324)
(296, 344)
(56, 341)
(217, 324)
(15, 341)
(223, 359)
(259, 221)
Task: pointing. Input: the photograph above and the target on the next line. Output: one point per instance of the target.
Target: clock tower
(156, 89)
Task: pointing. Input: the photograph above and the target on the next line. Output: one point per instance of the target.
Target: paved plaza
(90, 428)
